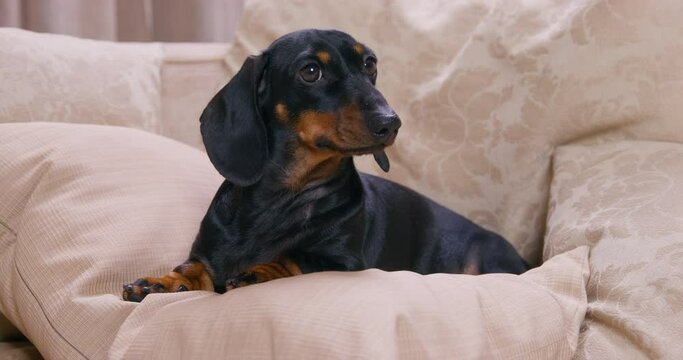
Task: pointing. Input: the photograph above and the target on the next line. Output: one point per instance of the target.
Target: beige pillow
(86, 208)
(380, 315)
(625, 200)
(487, 89)
(59, 78)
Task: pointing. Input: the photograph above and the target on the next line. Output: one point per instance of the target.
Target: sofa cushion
(625, 200)
(86, 208)
(47, 77)
(487, 89)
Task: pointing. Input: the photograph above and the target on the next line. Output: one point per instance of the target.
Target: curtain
(127, 20)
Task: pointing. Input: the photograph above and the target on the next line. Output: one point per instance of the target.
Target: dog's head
(307, 102)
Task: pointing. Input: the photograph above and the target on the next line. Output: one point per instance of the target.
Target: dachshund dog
(283, 132)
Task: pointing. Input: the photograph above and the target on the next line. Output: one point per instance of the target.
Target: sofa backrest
(157, 87)
(488, 89)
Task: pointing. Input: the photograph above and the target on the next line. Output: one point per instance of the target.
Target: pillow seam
(42, 310)
(3, 223)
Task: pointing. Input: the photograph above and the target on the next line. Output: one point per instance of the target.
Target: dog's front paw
(190, 275)
(142, 287)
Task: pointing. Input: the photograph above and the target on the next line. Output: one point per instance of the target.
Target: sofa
(555, 124)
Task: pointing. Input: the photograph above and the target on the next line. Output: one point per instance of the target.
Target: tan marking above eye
(281, 113)
(323, 56)
(359, 48)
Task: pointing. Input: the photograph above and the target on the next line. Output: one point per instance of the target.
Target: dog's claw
(139, 289)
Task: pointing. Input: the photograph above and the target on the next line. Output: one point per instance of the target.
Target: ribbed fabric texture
(89, 209)
(92, 207)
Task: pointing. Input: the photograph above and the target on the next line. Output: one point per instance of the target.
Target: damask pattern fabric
(59, 78)
(93, 207)
(190, 76)
(160, 88)
(487, 89)
(625, 200)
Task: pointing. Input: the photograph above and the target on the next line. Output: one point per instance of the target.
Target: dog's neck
(270, 216)
(303, 174)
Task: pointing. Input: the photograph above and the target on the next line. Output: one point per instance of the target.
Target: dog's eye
(311, 73)
(370, 66)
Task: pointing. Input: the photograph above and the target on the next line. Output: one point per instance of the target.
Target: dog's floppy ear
(232, 128)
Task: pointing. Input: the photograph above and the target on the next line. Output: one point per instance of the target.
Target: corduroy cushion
(86, 208)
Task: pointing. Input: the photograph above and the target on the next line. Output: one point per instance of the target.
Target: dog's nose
(384, 127)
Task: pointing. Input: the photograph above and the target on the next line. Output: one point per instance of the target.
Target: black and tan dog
(283, 132)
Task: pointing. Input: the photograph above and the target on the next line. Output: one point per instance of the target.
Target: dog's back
(410, 231)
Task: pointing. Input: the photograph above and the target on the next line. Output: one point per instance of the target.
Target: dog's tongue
(382, 160)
